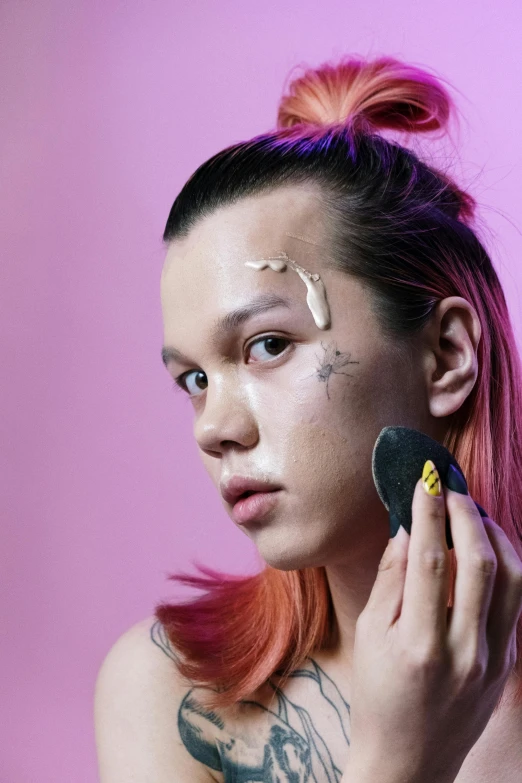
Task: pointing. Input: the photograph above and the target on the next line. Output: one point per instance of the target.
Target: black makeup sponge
(398, 458)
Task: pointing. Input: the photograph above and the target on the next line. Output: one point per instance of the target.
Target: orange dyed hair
(244, 629)
(383, 93)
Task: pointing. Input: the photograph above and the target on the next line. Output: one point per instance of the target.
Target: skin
(266, 739)
(306, 418)
(424, 680)
(274, 416)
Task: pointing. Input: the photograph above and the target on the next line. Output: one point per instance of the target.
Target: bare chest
(302, 733)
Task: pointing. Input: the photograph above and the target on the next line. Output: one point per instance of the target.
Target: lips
(254, 507)
(242, 486)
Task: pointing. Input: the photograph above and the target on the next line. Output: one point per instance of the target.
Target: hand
(426, 678)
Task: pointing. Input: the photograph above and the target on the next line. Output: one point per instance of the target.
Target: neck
(351, 581)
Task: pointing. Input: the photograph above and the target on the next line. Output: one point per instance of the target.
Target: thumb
(388, 589)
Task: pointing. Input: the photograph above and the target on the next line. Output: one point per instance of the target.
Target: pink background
(107, 107)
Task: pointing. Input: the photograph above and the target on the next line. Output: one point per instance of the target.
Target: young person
(322, 282)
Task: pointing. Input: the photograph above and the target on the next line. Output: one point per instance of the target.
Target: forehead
(205, 274)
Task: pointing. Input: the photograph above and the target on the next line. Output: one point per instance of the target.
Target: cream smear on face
(315, 293)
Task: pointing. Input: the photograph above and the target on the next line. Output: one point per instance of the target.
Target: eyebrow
(227, 323)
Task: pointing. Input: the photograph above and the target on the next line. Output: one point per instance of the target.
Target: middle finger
(476, 567)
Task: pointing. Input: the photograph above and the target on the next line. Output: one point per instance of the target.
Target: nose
(226, 420)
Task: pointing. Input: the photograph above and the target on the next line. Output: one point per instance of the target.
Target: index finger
(428, 575)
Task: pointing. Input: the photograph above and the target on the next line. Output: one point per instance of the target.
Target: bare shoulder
(138, 704)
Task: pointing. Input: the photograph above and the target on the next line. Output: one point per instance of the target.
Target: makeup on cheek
(316, 292)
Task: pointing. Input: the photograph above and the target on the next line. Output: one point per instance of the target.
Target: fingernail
(394, 525)
(456, 481)
(481, 510)
(430, 478)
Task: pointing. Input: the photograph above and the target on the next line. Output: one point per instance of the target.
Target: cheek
(313, 450)
(331, 471)
(344, 403)
(323, 446)
(302, 398)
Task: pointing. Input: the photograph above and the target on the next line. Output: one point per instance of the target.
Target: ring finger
(506, 601)
(476, 570)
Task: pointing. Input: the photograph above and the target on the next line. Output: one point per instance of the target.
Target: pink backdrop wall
(106, 109)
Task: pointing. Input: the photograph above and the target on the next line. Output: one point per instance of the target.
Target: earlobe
(453, 339)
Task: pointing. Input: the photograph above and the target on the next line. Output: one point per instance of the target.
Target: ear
(451, 341)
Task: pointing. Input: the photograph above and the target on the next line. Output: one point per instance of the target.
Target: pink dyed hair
(383, 93)
(244, 629)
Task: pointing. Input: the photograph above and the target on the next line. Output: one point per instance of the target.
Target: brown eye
(193, 382)
(273, 346)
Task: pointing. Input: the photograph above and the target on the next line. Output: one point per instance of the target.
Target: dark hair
(406, 230)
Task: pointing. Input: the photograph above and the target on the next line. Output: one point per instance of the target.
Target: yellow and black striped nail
(431, 478)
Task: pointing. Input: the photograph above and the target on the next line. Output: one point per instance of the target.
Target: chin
(289, 555)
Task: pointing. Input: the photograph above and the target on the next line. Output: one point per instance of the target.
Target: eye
(274, 347)
(193, 382)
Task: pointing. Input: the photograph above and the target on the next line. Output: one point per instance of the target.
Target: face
(274, 396)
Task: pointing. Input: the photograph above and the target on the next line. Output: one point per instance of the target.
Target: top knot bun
(371, 95)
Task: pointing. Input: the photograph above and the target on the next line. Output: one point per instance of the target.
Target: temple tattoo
(332, 363)
(280, 743)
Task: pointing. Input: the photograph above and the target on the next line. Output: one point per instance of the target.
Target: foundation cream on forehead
(315, 290)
